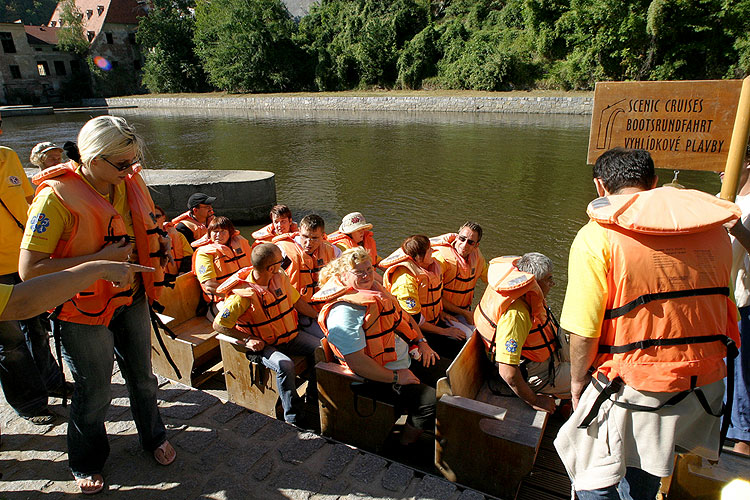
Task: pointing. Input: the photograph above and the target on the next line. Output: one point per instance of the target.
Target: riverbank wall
(572, 105)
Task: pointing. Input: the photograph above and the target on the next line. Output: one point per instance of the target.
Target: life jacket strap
(650, 297)
(732, 350)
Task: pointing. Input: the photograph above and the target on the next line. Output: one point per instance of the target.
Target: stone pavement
(223, 452)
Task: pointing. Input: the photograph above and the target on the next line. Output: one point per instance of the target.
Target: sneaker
(43, 417)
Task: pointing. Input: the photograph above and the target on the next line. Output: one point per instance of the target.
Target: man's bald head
(265, 255)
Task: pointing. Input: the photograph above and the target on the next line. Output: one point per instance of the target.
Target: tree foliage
(71, 36)
(34, 12)
(166, 37)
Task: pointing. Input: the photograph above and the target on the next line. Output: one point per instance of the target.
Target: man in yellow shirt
(28, 376)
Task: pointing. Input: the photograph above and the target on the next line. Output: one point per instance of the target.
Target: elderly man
(193, 223)
(520, 332)
(463, 264)
(649, 313)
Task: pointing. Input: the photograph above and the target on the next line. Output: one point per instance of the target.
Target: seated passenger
(416, 280)
(219, 254)
(305, 253)
(193, 224)
(520, 332)
(355, 231)
(261, 308)
(463, 264)
(281, 223)
(181, 250)
(370, 333)
(45, 155)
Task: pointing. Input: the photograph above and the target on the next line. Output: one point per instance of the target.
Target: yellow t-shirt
(204, 266)
(50, 221)
(5, 291)
(513, 328)
(14, 188)
(586, 295)
(235, 306)
(405, 288)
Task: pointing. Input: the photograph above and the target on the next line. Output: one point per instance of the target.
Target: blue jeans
(27, 367)
(740, 428)
(636, 485)
(89, 351)
(277, 359)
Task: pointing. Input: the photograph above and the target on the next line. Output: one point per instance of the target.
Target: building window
(90, 35)
(38, 49)
(89, 13)
(131, 38)
(15, 72)
(74, 67)
(43, 68)
(52, 23)
(7, 40)
(99, 9)
(60, 68)
(137, 65)
(110, 39)
(115, 64)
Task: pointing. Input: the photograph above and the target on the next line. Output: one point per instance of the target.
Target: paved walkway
(224, 452)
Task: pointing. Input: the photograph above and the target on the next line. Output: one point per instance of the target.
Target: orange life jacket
(171, 270)
(430, 282)
(268, 233)
(668, 319)
(461, 276)
(271, 315)
(303, 272)
(344, 240)
(508, 284)
(384, 318)
(227, 259)
(96, 224)
(199, 230)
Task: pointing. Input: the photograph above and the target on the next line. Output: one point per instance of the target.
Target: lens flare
(102, 63)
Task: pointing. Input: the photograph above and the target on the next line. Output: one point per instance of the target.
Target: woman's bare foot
(165, 454)
(90, 485)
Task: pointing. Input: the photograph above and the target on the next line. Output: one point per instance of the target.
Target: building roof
(97, 12)
(41, 35)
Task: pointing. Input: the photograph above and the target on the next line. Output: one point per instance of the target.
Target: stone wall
(471, 104)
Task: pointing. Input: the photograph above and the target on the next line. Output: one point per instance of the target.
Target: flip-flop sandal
(92, 479)
(160, 454)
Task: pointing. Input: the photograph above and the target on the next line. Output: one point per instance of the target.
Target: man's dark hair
(281, 211)
(621, 168)
(416, 246)
(474, 227)
(264, 255)
(312, 222)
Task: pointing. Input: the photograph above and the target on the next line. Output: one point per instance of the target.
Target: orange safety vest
(178, 252)
(199, 230)
(96, 224)
(669, 320)
(227, 259)
(430, 282)
(303, 272)
(461, 276)
(271, 315)
(384, 318)
(268, 233)
(344, 240)
(508, 284)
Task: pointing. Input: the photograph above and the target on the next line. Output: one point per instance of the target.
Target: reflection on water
(523, 177)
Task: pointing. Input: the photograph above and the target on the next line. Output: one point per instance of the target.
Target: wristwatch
(421, 339)
(395, 377)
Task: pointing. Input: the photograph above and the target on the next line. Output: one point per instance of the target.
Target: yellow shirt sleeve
(586, 295)
(204, 266)
(234, 307)
(405, 288)
(49, 222)
(5, 291)
(510, 335)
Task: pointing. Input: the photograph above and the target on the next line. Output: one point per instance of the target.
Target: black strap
(357, 388)
(158, 325)
(18, 223)
(646, 343)
(650, 297)
(58, 351)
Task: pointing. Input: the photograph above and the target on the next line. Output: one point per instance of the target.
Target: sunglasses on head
(471, 242)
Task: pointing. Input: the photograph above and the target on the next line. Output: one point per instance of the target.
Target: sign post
(685, 125)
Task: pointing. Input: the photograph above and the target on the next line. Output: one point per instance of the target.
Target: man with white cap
(355, 231)
(193, 223)
(45, 155)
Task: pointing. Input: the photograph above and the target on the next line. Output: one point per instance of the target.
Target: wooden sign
(684, 125)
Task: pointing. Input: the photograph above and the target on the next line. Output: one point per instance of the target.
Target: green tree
(166, 37)
(34, 12)
(71, 36)
(246, 45)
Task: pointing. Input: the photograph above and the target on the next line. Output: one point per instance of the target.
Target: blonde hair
(107, 136)
(346, 262)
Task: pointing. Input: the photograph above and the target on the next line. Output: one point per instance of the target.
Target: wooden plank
(181, 301)
(695, 478)
(466, 373)
(550, 481)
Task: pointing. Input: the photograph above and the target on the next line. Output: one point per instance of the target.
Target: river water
(524, 178)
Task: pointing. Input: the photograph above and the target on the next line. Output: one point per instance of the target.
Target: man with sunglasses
(28, 371)
(262, 309)
(463, 264)
(193, 224)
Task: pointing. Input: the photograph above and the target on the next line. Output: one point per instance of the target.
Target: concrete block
(340, 457)
(301, 447)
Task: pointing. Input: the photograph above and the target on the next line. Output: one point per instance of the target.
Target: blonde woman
(370, 333)
(100, 209)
